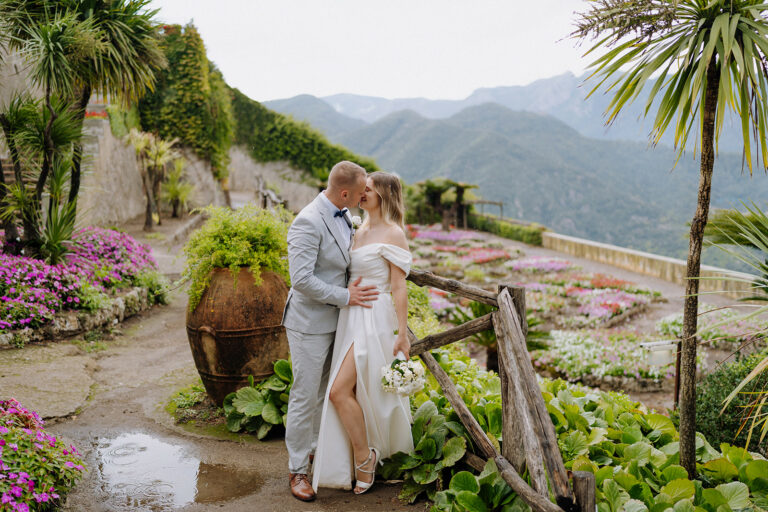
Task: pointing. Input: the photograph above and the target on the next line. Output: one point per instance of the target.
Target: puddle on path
(141, 473)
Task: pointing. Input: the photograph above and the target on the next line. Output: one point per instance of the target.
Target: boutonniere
(356, 222)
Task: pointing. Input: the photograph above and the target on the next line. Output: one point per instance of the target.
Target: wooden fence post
(584, 490)
(539, 416)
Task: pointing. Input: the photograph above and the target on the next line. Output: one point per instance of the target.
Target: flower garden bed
(106, 277)
(720, 327)
(613, 360)
(37, 470)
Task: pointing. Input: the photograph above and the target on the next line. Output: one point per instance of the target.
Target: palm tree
(710, 57)
(745, 236)
(122, 59)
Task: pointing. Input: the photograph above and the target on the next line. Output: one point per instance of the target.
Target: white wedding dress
(371, 334)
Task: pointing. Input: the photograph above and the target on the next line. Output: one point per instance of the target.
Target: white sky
(391, 48)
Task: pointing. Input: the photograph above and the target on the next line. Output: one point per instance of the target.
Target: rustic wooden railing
(529, 440)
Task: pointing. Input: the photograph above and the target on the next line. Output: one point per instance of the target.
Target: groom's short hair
(345, 175)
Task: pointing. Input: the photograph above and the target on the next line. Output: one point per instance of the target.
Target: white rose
(356, 221)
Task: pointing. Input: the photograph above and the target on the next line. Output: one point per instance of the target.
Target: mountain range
(544, 170)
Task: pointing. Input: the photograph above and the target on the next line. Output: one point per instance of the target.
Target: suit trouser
(311, 360)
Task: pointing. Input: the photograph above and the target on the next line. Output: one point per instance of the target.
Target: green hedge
(191, 101)
(270, 136)
(530, 234)
(710, 393)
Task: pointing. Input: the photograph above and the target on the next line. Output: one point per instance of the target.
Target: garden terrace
(530, 439)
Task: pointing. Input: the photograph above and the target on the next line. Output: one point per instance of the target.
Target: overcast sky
(392, 48)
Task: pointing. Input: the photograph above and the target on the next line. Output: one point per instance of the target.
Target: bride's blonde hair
(390, 192)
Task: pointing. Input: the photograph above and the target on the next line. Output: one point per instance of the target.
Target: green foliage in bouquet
(247, 237)
(261, 406)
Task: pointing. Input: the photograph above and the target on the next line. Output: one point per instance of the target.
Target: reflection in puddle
(139, 472)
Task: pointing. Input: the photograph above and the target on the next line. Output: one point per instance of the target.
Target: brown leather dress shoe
(300, 487)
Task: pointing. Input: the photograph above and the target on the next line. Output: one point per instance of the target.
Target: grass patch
(155, 236)
(193, 405)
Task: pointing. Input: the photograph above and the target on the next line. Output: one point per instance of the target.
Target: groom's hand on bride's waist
(362, 295)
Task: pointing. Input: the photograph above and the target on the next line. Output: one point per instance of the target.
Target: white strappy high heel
(359, 467)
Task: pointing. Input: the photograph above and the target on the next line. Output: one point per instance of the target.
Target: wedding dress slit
(370, 334)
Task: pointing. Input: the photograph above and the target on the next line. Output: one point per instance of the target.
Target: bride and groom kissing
(346, 318)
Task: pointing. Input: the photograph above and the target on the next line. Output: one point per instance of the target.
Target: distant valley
(545, 170)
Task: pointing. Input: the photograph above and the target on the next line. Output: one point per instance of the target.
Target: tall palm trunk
(77, 157)
(691, 305)
(8, 226)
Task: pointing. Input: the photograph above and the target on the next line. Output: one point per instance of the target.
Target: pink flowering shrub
(31, 291)
(36, 469)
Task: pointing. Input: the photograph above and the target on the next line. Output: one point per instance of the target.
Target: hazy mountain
(545, 171)
(563, 97)
(316, 112)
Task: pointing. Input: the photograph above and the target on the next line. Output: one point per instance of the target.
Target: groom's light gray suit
(318, 255)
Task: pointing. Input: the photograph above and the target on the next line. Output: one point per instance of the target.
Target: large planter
(235, 331)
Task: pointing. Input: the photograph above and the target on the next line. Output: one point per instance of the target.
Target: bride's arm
(400, 298)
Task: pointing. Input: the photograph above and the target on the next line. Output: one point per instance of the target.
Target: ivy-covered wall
(191, 101)
(270, 136)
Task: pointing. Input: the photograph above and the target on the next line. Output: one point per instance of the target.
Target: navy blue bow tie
(340, 213)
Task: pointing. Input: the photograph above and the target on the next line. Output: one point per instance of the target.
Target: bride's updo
(389, 189)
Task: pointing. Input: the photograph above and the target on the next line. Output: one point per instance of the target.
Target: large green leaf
(234, 421)
(757, 469)
(464, 481)
(574, 444)
(471, 502)
(263, 430)
(425, 411)
(249, 401)
(634, 506)
(679, 489)
(283, 370)
(673, 473)
(720, 470)
(453, 450)
(274, 383)
(271, 414)
(427, 447)
(736, 494)
(614, 495)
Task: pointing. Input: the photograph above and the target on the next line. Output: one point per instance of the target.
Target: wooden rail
(529, 440)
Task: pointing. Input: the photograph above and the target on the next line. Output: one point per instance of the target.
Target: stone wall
(111, 190)
(247, 175)
(662, 267)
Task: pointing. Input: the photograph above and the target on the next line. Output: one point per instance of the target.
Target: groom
(318, 256)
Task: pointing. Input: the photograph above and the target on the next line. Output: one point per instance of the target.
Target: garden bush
(37, 470)
(529, 234)
(272, 137)
(714, 388)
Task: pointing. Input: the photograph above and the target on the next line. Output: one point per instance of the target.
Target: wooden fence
(529, 440)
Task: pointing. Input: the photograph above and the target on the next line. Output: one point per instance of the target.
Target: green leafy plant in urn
(237, 267)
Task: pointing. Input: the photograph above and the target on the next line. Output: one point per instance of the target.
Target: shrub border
(528, 233)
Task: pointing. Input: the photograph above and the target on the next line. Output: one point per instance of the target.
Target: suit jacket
(318, 258)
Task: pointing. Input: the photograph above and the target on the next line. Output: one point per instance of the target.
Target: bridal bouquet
(403, 377)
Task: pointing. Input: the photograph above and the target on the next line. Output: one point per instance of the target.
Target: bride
(361, 423)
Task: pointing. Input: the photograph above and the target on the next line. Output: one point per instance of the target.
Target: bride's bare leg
(342, 396)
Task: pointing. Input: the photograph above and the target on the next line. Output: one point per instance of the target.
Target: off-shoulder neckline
(377, 243)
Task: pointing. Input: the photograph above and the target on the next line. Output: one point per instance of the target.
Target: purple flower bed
(31, 291)
(36, 468)
(539, 264)
(446, 236)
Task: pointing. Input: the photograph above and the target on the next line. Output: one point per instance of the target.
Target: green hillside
(612, 191)
(271, 136)
(317, 113)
